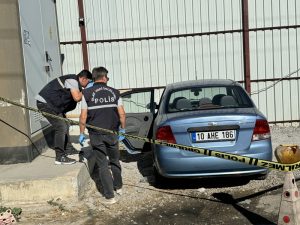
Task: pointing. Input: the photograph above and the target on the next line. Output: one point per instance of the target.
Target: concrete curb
(41, 181)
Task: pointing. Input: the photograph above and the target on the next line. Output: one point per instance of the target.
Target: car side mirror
(154, 106)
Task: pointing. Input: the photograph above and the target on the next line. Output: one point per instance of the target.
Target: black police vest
(102, 102)
(58, 97)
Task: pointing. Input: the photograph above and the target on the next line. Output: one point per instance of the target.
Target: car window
(242, 97)
(137, 102)
(208, 97)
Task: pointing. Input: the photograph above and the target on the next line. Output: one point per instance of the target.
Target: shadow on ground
(252, 217)
(193, 211)
(190, 209)
(145, 167)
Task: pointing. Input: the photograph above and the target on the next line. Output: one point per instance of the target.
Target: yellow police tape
(228, 156)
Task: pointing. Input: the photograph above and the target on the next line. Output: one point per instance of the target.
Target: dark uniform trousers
(59, 100)
(106, 150)
(60, 128)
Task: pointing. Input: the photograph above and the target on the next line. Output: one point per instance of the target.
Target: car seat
(217, 98)
(173, 104)
(228, 101)
(183, 104)
(204, 101)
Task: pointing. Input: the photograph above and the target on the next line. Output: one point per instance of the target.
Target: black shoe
(64, 160)
(81, 156)
(71, 151)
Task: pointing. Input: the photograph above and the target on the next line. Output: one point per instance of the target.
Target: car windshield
(200, 98)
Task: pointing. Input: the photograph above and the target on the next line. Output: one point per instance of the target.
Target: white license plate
(226, 135)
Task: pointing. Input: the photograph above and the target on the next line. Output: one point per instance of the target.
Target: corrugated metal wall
(275, 54)
(161, 61)
(67, 13)
(155, 42)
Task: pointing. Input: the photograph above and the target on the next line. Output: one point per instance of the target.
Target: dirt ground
(184, 201)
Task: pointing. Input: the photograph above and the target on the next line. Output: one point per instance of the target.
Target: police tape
(208, 152)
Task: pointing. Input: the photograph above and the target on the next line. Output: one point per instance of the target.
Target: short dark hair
(99, 73)
(85, 73)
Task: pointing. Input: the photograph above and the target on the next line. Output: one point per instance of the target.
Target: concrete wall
(13, 120)
(22, 75)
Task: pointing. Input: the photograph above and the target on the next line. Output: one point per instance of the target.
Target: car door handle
(146, 118)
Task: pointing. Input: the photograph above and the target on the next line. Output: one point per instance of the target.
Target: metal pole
(83, 35)
(246, 48)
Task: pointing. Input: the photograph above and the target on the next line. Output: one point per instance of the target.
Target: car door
(140, 108)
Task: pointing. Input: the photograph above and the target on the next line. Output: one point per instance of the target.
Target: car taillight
(165, 134)
(261, 130)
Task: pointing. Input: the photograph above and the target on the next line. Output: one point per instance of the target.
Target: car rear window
(198, 98)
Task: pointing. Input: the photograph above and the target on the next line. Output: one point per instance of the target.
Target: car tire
(262, 176)
(158, 180)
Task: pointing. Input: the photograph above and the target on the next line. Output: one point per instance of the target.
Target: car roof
(204, 82)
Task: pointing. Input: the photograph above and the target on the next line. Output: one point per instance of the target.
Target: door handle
(146, 118)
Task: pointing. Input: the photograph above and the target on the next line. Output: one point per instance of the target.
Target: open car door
(140, 108)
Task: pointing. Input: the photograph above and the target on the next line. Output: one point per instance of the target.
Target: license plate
(226, 135)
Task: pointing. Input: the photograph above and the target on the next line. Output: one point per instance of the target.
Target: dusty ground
(209, 201)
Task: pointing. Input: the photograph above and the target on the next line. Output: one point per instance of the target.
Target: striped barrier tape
(208, 152)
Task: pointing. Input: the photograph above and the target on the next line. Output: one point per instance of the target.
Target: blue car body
(188, 114)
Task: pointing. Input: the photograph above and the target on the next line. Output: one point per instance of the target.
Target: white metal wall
(155, 62)
(145, 63)
(67, 13)
(275, 54)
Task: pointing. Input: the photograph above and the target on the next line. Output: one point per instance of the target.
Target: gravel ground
(201, 201)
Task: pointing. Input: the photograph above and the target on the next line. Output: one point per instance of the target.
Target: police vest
(59, 97)
(102, 102)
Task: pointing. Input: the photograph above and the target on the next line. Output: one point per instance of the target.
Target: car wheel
(158, 180)
(262, 176)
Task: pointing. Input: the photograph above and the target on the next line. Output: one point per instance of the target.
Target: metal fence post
(246, 52)
(83, 35)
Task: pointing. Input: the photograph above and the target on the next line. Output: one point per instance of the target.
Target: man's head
(100, 74)
(84, 77)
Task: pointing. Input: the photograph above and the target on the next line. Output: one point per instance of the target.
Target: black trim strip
(213, 128)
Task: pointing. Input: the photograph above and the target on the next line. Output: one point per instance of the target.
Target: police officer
(101, 106)
(58, 97)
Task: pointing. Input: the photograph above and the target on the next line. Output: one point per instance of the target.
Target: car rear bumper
(170, 163)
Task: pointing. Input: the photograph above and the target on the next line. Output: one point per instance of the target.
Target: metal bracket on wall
(47, 69)
(81, 21)
(48, 58)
